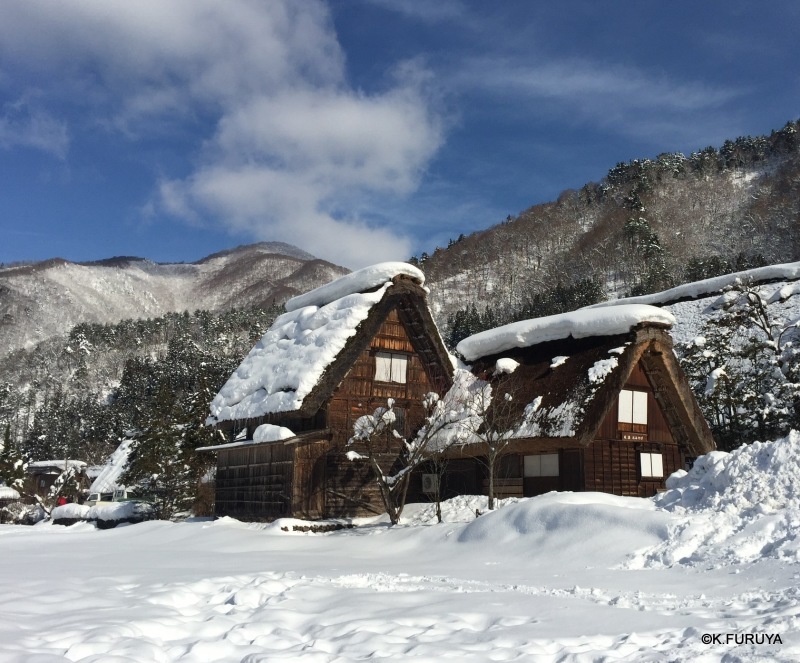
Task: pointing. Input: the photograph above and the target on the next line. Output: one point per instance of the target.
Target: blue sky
(359, 130)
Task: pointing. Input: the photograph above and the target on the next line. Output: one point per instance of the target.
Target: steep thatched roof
(563, 389)
(303, 357)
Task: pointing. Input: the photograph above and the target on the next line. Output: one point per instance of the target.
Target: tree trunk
(492, 460)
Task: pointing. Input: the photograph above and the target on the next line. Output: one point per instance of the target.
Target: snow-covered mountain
(46, 299)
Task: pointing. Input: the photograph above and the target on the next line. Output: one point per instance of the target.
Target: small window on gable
(391, 367)
(540, 465)
(652, 465)
(632, 414)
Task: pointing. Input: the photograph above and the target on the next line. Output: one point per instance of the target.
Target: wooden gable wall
(350, 487)
(611, 464)
(360, 394)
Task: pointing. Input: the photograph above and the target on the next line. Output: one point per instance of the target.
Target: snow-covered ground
(561, 577)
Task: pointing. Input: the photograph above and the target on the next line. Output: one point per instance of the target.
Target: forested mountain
(75, 396)
(648, 225)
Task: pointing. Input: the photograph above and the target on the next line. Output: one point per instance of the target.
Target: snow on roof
(782, 294)
(577, 324)
(271, 433)
(107, 480)
(358, 281)
(789, 271)
(264, 433)
(285, 365)
(56, 464)
(8, 493)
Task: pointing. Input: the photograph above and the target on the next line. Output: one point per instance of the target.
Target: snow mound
(568, 524)
(736, 507)
(70, 511)
(460, 509)
(358, 281)
(104, 512)
(577, 324)
(762, 477)
(285, 365)
(271, 433)
(505, 365)
(783, 293)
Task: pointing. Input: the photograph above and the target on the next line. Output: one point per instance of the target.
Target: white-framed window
(540, 465)
(652, 465)
(632, 407)
(391, 367)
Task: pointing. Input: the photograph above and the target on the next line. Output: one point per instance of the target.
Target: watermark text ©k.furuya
(741, 639)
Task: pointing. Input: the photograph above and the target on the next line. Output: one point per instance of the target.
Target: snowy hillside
(44, 300)
(708, 572)
(645, 226)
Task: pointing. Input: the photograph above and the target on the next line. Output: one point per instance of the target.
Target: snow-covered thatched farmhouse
(588, 400)
(43, 474)
(338, 353)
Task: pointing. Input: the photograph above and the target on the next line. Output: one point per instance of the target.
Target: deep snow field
(560, 577)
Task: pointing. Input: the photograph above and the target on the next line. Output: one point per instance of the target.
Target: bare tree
(445, 425)
(495, 418)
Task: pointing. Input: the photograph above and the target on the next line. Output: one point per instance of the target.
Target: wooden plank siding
(308, 485)
(254, 482)
(350, 487)
(611, 464)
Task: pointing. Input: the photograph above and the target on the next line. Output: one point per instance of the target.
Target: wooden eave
(308, 436)
(673, 393)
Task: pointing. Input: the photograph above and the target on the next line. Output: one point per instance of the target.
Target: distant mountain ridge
(45, 299)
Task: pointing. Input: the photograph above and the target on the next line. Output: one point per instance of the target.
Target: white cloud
(292, 149)
(425, 10)
(623, 98)
(23, 126)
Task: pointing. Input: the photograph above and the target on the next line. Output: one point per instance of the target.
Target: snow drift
(734, 507)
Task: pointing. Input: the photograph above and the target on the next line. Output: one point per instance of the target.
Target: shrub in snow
(18, 513)
(105, 516)
(392, 457)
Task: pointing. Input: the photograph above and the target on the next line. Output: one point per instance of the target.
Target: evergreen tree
(12, 464)
(744, 371)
